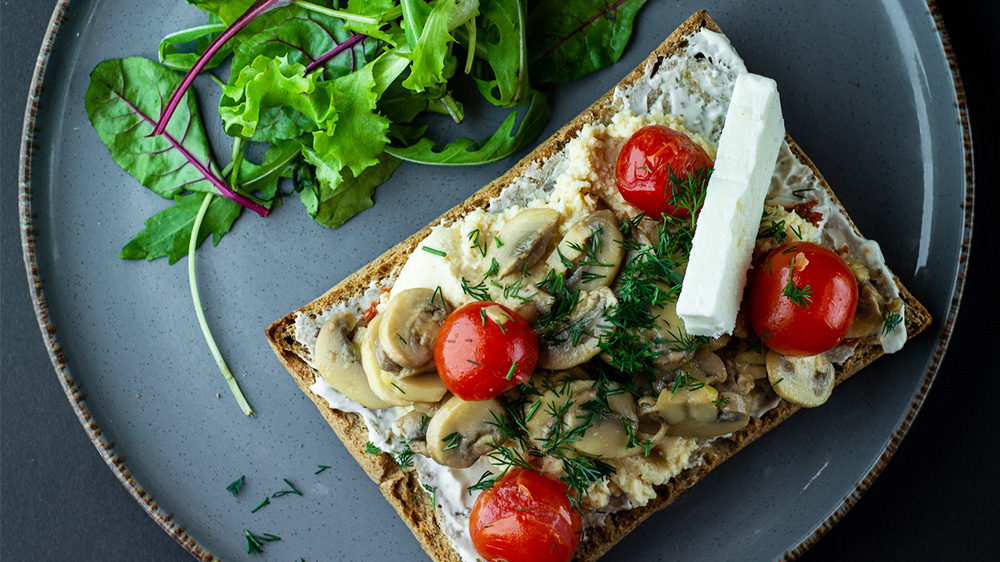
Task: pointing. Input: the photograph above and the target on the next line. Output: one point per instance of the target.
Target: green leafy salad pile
(335, 93)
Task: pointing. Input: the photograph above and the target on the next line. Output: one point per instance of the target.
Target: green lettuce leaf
(333, 196)
(268, 83)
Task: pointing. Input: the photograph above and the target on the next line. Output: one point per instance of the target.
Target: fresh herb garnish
(264, 502)
(451, 441)
(434, 251)
(477, 291)
(323, 467)
(890, 322)
(292, 490)
(433, 492)
(235, 487)
(255, 542)
(800, 296)
(371, 449)
(405, 457)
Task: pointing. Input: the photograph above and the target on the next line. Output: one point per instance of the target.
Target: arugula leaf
(570, 40)
(465, 152)
(168, 233)
(506, 53)
(123, 97)
(431, 50)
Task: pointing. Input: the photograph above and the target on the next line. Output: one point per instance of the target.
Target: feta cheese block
(734, 200)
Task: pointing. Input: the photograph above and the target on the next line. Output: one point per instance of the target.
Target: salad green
(335, 93)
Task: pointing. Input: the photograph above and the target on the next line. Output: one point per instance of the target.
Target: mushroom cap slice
(577, 340)
(591, 252)
(339, 363)
(460, 432)
(410, 324)
(668, 336)
(392, 387)
(701, 411)
(807, 381)
(525, 239)
(868, 317)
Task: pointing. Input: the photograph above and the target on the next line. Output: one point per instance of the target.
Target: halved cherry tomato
(646, 163)
(801, 299)
(484, 349)
(525, 517)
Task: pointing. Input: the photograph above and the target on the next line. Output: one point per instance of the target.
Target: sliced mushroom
(409, 326)
(701, 411)
(807, 381)
(670, 341)
(707, 366)
(339, 363)
(525, 239)
(459, 432)
(391, 386)
(571, 414)
(745, 368)
(868, 318)
(576, 340)
(590, 254)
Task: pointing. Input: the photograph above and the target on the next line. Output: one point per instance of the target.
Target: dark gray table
(936, 500)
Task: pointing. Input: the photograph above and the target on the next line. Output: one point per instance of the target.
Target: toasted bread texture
(401, 487)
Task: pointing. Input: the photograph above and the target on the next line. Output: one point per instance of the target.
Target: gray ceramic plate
(867, 91)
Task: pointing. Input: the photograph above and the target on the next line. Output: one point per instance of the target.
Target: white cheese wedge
(727, 226)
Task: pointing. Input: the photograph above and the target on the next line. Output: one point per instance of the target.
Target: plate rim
(165, 520)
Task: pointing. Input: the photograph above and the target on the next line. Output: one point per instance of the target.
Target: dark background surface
(937, 499)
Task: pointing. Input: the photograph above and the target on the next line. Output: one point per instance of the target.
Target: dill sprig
(477, 291)
(776, 230)
(890, 322)
(281, 493)
(235, 487)
(688, 194)
(405, 457)
(800, 296)
(372, 449)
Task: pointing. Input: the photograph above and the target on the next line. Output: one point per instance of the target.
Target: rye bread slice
(401, 487)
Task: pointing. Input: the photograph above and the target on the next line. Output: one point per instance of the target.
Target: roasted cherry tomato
(525, 517)
(647, 162)
(801, 299)
(483, 349)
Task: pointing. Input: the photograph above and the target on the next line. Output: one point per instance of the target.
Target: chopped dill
(236, 486)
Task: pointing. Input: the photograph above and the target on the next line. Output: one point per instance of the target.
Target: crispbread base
(400, 487)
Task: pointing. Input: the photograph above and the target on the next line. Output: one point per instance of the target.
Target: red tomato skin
(787, 327)
(525, 517)
(473, 358)
(642, 169)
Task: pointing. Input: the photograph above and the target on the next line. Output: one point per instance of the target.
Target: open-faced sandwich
(572, 347)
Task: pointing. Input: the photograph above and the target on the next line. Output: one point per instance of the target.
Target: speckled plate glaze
(869, 90)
